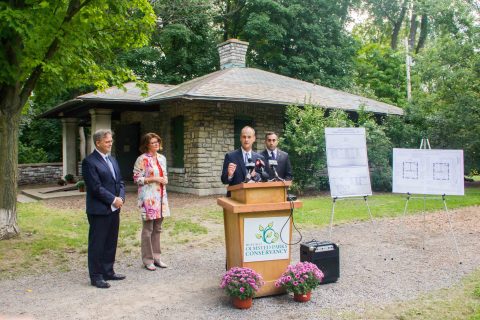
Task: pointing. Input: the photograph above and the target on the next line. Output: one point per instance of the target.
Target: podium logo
(267, 234)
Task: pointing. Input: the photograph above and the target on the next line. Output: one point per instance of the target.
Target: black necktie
(273, 155)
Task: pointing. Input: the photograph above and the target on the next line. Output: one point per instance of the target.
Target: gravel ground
(381, 263)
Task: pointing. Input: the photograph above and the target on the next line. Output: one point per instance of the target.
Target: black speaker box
(325, 255)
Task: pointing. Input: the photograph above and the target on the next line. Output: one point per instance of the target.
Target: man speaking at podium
(236, 162)
(271, 152)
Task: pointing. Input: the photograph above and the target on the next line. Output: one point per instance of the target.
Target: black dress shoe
(102, 284)
(115, 276)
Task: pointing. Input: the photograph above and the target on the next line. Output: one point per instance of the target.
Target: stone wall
(208, 136)
(39, 173)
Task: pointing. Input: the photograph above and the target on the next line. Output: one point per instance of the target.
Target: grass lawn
(316, 211)
(53, 239)
(459, 302)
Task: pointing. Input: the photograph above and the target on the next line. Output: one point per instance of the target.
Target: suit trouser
(151, 240)
(102, 244)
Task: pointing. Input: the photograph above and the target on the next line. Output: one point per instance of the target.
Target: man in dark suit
(284, 168)
(234, 165)
(105, 197)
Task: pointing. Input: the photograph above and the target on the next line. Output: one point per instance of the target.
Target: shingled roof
(258, 86)
(248, 85)
(130, 93)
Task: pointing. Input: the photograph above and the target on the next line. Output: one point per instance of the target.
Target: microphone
(273, 165)
(260, 165)
(250, 166)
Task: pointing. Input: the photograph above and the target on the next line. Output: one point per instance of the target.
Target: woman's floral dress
(152, 197)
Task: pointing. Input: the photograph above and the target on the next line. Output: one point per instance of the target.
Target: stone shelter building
(199, 120)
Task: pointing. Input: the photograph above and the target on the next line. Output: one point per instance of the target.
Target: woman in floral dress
(150, 174)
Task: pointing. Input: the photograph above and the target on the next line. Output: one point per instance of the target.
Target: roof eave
(56, 111)
(262, 101)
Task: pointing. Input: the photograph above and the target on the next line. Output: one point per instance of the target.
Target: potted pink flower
(301, 279)
(241, 284)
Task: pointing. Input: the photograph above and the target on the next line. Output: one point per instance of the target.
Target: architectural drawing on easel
(347, 162)
(441, 171)
(428, 171)
(410, 170)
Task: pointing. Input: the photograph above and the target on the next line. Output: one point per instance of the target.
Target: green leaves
(448, 98)
(299, 39)
(183, 45)
(73, 48)
(304, 140)
(382, 69)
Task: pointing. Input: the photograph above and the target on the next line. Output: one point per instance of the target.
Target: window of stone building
(239, 123)
(178, 130)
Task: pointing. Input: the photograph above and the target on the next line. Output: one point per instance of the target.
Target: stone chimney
(232, 53)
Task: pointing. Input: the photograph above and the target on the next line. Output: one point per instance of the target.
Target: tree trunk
(423, 33)
(10, 113)
(413, 32)
(398, 25)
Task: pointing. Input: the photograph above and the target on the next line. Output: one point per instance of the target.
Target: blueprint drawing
(428, 171)
(347, 162)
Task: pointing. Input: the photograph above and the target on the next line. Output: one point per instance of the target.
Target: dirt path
(380, 264)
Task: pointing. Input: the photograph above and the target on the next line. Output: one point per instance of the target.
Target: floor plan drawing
(428, 171)
(410, 170)
(347, 162)
(441, 171)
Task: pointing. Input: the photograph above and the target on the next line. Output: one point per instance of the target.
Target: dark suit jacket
(102, 188)
(284, 168)
(240, 173)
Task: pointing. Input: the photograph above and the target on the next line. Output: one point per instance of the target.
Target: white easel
(425, 144)
(334, 200)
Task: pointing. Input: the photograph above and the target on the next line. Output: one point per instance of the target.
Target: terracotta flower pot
(242, 304)
(299, 297)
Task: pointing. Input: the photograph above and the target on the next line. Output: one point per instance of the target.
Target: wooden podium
(253, 219)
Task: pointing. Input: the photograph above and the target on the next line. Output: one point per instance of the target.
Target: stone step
(25, 199)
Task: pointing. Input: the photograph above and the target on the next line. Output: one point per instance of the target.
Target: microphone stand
(273, 165)
(250, 166)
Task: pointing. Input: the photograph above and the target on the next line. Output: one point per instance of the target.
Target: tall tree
(304, 39)
(232, 17)
(417, 20)
(183, 45)
(50, 42)
(382, 70)
(449, 95)
(387, 17)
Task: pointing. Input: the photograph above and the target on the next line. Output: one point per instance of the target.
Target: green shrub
(30, 154)
(80, 184)
(69, 178)
(379, 149)
(304, 140)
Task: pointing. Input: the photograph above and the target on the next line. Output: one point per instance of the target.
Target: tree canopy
(183, 45)
(56, 45)
(286, 38)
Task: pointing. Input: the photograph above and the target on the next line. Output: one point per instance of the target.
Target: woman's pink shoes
(158, 263)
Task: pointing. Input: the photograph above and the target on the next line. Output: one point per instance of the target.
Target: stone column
(69, 146)
(101, 119)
